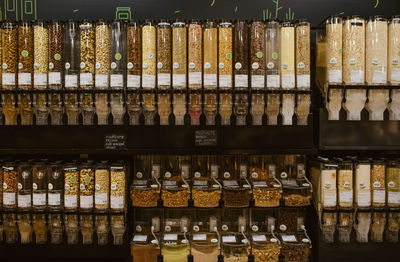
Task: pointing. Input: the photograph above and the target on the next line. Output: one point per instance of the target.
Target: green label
(57, 57)
(118, 56)
(259, 55)
(87, 179)
(25, 53)
(72, 179)
(340, 51)
(274, 55)
(229, 56)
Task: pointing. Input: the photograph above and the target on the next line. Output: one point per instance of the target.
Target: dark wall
(316, 10)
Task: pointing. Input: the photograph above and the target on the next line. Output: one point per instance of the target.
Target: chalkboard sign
(115, 142)
(206, 138)
(315, 10)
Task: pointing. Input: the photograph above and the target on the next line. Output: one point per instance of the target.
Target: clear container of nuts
(71, 186)
(175, 175)
(86, 186)
(296, 247)
(40, 175)
(241, 54)
(393, 50)
(257, 49)
(103, 55)
(393, 226)
(225, 54)
(195, 54)
(87, 54)
(10, 185)
(378, 183)
(164, 54)
(345, 184)
(265, 248)
(206, 189)
(179, 54)
(25, 53)
(303, 54)
(149, 41)
(134, 54)
(204, 246)
(210, 54)
(9, 40)
(24, 186)
(272, 53)
(41, 54)
(393, 183)
(118, 54)
(55, 186)
(118, 186)
(235, 247)
(102, 186)
(144, 191)
(56, 37)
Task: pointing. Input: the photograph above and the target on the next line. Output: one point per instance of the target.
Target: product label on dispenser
(200, 237)
(394, 197)
(303, 81)
(225, 80)
(179, 80)
(195, 78)
(329, 199)
(71, 81)
(395, 76)
(259, 238)
(8, 79)
(273, 81)
(231, 183)
(357, 76)
(210, 79)
(139, 238)
(100, 198)
(364, 199)
(117, 80)
(257, 184)
(346, 196)
(117, 202)
(257, 81)
(70, 201)
(241, 81)
(170, 237)
(39, 79)
(39, 199)
(379, 77)
(101, 80)
(24, 200)
(164, 79)
(9, 198)
(86, 201)
(133, 81)
(229, 239)
(86, 79)
(379, 196)
(24, 79)
(200, 183)
(149, 81)
(288, 81)
(335, 76)
(54, 78)
(54, 199)
(289, 238)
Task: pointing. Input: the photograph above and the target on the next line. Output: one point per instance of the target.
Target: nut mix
(206, 198)
(103, 56)
(117, 180)
(175, 198)
(149, 40)
(87, 53)
(71, 187)
(9, 54)
(144, 197)
(25, 52)
(195, 54)
(10, 186)
(225, 54)
(41, 54)
(56, 38)
(266, 253)
(266, 197)
(86, 186)
(257, 59)
(102, 187)
(134, 54)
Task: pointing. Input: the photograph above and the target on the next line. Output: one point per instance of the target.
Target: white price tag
(24, 79)
(179, 80)
(273, 81)
(335, 76)
(164, 79)
(364, 199)
(394, 197)
(200, 183)
(39, 79)
(200, 237)
(86, 79)
(170, 237)
(229, 239)
(195, 78)
(346, 196)
(9, 198)
(139, 238)
(117, 80)
(257, 81)
(225, 80)
(8, 79)
(395, 76)
(149, 81)
(39, 199)
(379, 196)
(133, 81)
(303, 81)
(24, 200)
(288, 81)
(71, 81)
(259, 238)
(117, 202)
(260, 184)
(101, 81)
(210, 79)
(289, 238)
(101, 198)
(54, 78)
(379, 77)
(230, 183)
(54, 199)
(70, 201)
(241, 81)
(357, 76)
(329, 199)
(86, 201)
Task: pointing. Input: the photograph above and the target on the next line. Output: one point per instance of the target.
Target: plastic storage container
(393, 184)
(118, 187)
(393, 54)
(363, 184)
(272, 54)
(10, 185)
(179, 54)
(9, 42)
(225, 54)
(257, 59)
(71, 186)
(195, 54)
(378, 184)
(303, 55)
(241, 54)
(134, 54)
(102, 187)
(86, 186)
(235, 247)
(204, 247)
(175, 248)
(41, 54)
(118, 54)
(149, 55)
(288, 43)
(334, 51)
(24, 186)
(103, 57)
(296, 247)
(25, 53)
(210, 54)
(265, 247)
(39, 178)
(345, 184)
(144, 248)
(164, 54)
(87, 54)
(56, 63)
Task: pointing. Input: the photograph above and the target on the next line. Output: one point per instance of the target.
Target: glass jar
(10, 185)
(334, 51)
(303, 54)
(354, 50)
(273, 108)
(41, 54)
(144, 249)
(210, 54)
(234, 248)
(257, 108)
(175, 249)
(363, 184)
(25, 53)
(102, 229)
(40, 228)
(87, 54)
(71, 186)
(103, 55)
(225, 108)
(39, 185)
(102, 187)
(345, 184)
(55, 186)
(393, 184)
(86, 186)
(164, 108)
(378, 184)
(71, 228)
(55, 228)
(225, 54)
(241, 109)
(118, 187)
(195, 54)
(179, 54)
(265, 248)
(86, 227)
(134, 54)
(393, 51)
(195, 108)
(179, 108)
(25, 228)
(24, 186)
(328, 187)
(164, 54)
(118, 54)
(257, 49)
(148, 55)
(56, 36)
(71, 55)
(288, 54)
(9, 42)
(241, 54)
(204, 247)
(376, 47)
(272, 53)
